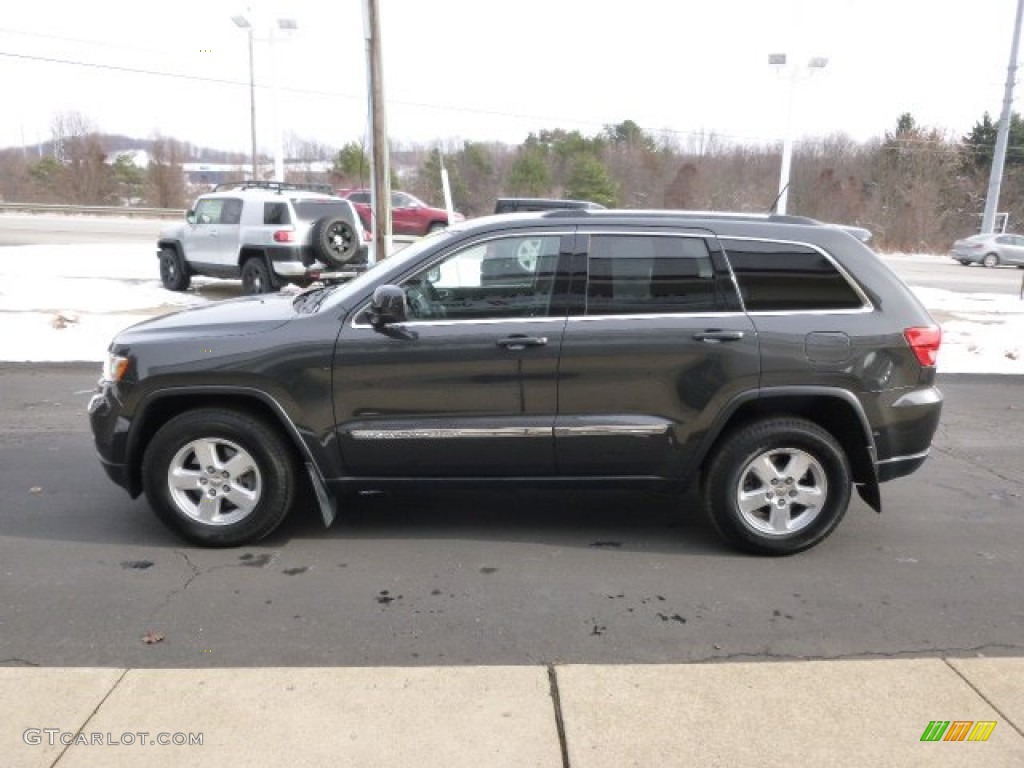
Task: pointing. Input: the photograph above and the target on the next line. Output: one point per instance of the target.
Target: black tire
(263, 475)
(335, 241)
(173, 272)
(965, 262)
(256, 276)
(991, 260)
(779, 523)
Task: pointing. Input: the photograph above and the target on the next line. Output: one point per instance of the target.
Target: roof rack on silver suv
(277, 186)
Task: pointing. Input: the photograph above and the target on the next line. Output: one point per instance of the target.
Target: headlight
(115, 367)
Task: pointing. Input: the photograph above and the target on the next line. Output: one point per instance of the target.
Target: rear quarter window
(787, 277)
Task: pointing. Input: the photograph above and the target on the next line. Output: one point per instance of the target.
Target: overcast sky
(480, 70)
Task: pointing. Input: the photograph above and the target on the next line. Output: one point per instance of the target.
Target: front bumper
(110, 435)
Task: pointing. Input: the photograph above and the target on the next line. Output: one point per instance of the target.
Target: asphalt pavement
(528, 578)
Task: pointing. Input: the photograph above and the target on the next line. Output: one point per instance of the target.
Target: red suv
(409, 215)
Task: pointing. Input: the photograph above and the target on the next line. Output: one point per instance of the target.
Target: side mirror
(388, 306)
(190, 216)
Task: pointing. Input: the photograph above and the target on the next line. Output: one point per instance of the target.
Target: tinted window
(510, 277)
(231, 213)
(359, 197)
(642, 275)
(783, 276)
(276, 214)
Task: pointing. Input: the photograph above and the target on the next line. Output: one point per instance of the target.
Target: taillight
(925, 342)
(284, 236)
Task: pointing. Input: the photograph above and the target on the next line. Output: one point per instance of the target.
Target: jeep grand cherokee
(773, 360)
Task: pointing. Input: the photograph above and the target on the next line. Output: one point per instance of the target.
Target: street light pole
(243, 23)
(779, 60)
(995, 179)
(286, 25)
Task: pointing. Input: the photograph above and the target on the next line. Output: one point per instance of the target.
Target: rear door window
(652, 274)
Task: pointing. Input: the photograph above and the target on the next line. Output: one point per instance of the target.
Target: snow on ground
(65, 302)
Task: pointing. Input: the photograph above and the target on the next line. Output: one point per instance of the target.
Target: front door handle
(715, 336)
(522, 342)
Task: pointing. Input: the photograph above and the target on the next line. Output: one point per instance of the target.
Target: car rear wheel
(335, 241)
(173, 274)
(777, 486)
(219, 477)
(256, 277)
(991, 260)
(965, 262)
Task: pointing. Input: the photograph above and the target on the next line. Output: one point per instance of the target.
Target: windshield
(335, 294)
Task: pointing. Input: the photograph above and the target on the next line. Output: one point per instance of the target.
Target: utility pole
(995, 179)
(381, 184)
(252, 108)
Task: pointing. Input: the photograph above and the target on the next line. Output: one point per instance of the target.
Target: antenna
(775, 203)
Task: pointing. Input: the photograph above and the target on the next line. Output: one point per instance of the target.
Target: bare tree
(165, 175)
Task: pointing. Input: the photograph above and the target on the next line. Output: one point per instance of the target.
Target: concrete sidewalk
(813, 713)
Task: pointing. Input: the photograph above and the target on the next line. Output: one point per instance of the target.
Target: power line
(698, 134)
(397, 102)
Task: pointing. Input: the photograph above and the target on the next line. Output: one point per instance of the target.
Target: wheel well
(174, 245)
(833, 414)
(251, 253)
(164, 409)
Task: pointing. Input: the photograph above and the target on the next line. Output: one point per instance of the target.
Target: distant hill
(115, 143)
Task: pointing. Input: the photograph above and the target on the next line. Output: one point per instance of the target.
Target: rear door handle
(522, 342)
(715, 336)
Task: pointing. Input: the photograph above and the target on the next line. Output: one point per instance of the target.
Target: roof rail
(278, 186)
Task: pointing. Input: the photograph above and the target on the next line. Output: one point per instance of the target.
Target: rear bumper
(904, 438)
(899, 466)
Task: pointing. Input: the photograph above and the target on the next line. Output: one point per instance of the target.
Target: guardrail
(93, 210)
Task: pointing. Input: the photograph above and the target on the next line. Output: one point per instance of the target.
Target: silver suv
(265, 232)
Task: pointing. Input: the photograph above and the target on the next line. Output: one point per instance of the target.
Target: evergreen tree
(589, 180)
(979, 145)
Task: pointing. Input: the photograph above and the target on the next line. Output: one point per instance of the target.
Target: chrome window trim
(468, 321)
(658, 316)
(866, 305)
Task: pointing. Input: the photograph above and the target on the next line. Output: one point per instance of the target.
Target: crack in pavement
(985, 698)
(927, 652)
(196, 573)
(14, 660)
(953, 453)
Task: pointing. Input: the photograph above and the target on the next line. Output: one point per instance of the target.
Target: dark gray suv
(774, 360)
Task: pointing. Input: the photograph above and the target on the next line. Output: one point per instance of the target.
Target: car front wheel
(777, 486)
(219, 477)
(991, 260)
